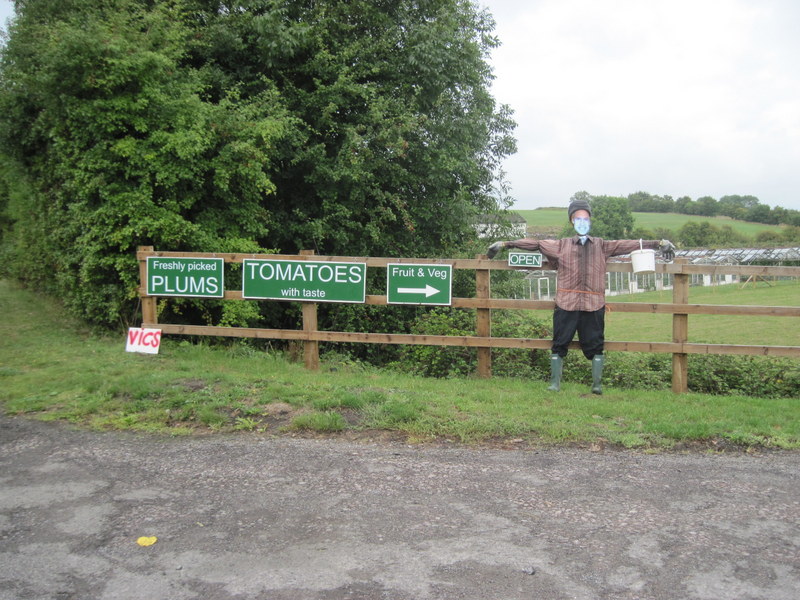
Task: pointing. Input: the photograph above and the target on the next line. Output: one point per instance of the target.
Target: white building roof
(740, 256)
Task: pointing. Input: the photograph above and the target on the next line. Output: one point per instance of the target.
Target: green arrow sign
(524, 259)
(419, 284)
(313, 281)
(181, 276)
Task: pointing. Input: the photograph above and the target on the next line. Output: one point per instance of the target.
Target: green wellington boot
(597, 373)
(556, 365)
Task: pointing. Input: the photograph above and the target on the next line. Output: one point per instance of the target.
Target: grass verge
(54, 369)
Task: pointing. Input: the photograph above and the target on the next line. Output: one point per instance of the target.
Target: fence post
(310, 347)
(484, 319)
(149, 312)
(680, 330)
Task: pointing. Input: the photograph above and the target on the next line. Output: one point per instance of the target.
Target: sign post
(524, 259)
(305, 280)
(181, 276)
(419, 284)
(139, 339)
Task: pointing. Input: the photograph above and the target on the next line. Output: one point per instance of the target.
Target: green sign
(180, 276)
(314, 281)
(524, 259)
(419, 284)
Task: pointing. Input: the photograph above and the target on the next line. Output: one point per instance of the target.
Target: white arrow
(428, 290)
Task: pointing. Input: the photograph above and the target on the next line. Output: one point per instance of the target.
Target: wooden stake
(149, 308)
(310, 347)
(680, 331)
(484, 319)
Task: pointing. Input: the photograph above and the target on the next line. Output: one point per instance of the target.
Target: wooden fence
(680, 308)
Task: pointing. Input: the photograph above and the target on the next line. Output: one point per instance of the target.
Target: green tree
(706, 235)
(735, 206)
(706, 206)
(644, 202)
(759, 213)
(683, 205)
(769, 238)
(663, 233)
(348, 127)
(611, 218)
(118, 149)
(791, 235)
(397, 125)
(696, 235)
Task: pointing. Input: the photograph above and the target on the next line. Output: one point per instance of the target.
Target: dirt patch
(280, 409)
(192, 385)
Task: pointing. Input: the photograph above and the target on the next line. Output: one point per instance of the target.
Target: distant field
(713, 329)
(709, 329)
(548, 219)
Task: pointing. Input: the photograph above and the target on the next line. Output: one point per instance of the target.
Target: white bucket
(643, 261)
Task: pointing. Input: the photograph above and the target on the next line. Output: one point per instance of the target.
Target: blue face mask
(582, 225)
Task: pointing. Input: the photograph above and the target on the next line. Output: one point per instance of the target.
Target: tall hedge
(349, 127)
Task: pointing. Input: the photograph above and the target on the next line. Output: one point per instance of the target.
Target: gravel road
(280, 518)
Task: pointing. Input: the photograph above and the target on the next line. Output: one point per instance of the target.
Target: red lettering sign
(143, 340)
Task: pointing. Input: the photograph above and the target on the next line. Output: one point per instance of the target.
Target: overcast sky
(672, 97)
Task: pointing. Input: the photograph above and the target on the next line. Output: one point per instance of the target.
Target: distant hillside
(552, 220)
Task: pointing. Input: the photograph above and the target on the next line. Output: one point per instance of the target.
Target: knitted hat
(577, 205)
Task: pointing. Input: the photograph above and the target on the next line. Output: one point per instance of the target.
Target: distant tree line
(743, 208)
(612, 218)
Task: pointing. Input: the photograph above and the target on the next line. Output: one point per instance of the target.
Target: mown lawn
(713, 329)
(53, 368)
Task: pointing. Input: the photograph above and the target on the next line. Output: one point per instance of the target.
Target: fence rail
(680, 308)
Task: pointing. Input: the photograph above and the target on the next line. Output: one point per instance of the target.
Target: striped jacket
(581, 267)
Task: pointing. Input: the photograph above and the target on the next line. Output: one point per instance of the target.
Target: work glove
(495, 248)
(667, 249)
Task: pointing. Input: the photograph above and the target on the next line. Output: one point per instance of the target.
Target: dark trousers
(589, 325)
